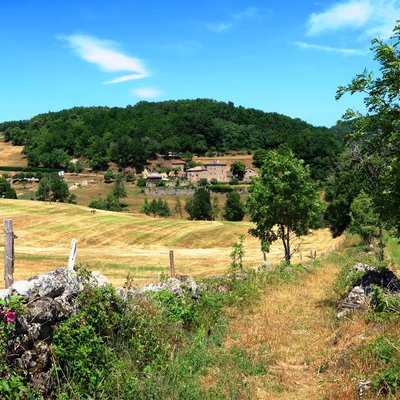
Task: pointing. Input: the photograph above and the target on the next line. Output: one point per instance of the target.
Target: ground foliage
(158, 346)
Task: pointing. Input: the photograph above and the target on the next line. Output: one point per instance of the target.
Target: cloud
(104, 54)
(147, 92)
(373, 17)
(220, 27)
(328, 49)
(248, 13)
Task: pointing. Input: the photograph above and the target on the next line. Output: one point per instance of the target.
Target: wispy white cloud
(248, 13)
(328, 49)
(105, 55)
(147, 92)
(219, 27)
(372, 17)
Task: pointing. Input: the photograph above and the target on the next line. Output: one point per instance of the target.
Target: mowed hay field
(118, 243)
(11, 155)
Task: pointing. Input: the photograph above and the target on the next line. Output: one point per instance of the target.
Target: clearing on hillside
(118, 243)
(11, 155)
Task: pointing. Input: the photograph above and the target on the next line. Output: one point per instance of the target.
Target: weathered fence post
(8, 253)
(301, 257)
(72, 255)
(172, 263)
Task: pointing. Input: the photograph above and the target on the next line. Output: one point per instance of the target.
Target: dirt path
(294, 326)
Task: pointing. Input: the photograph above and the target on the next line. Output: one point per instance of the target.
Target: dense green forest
(129, 136)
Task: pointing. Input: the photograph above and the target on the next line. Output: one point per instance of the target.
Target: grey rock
(356, 298)
(172, 285)
(59, 283)
(363, 387)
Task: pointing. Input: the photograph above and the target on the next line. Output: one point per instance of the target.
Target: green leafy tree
(163, 208)
(118, 190)
(283, 196)
(237, 169)
(377, 132)
(234, 208)
(109, 203)
(199, 205)
(259, 157)
(6, 190)
(53, 188)
(153, 207)
(145, 207)
(364, 219)
(216, 211)
(109, 176)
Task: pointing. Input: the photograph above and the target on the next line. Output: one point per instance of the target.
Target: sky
(277, 56)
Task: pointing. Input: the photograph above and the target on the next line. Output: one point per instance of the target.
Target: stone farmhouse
(249, 174)
(215, 170)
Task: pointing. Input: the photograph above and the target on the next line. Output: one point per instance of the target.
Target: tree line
(130, 136)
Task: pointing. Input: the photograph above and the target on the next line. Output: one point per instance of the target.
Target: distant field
(11, 155)
(117, 244)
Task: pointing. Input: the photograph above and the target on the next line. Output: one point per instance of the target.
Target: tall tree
(283, 195)
(377, 133)
(199, 205)
(233, 209)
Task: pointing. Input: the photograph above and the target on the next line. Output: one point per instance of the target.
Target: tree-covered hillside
(129, 136)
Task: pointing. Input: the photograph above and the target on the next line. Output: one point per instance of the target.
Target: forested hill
(129, 136)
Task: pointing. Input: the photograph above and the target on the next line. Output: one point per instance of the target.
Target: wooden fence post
(171, 263)
(72, 255)
(8, 253)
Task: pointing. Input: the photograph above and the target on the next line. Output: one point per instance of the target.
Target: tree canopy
(375, 136)
(129, 136)
(283, 195)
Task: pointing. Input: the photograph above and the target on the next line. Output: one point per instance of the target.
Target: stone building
(249, 174)
(215, 170)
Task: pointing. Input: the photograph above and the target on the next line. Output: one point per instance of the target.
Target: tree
(53, 188)
(237, 169)
(233, 209)
(282, 195)
(377, 133)
(199, 205)
(215, 207)
(163, 208)
(364, 219)
(178, 207)
(145, 207)
(118, 190)
(6, 190)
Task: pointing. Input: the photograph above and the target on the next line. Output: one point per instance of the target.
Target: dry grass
(246, 159)
(295, 327)
(119, 243)
(11, 155)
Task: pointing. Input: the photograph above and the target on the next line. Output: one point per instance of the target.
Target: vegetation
(199, 205)
(282, 195)
(53, 188)
(129, 136)
(234, 209)
(156, 207)
(237, 169)
(6, 190)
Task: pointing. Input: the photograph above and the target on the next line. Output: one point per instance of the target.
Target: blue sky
(279, 56)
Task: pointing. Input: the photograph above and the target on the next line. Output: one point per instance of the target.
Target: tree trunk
(380, 242)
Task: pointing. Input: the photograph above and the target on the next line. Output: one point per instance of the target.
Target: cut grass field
(119, 243)
(11, 155)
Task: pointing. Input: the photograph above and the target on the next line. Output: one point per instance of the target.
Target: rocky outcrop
(359, 296)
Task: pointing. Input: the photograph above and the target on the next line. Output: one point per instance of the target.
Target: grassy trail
(295, 325)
